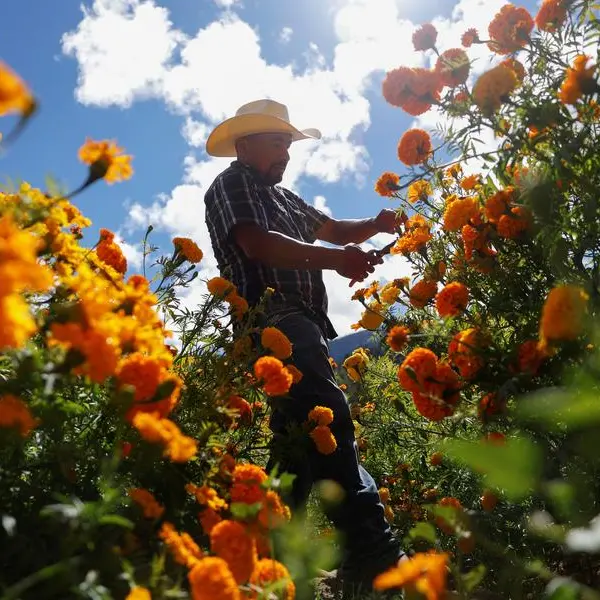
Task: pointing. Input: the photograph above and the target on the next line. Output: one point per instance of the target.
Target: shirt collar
(238, 164)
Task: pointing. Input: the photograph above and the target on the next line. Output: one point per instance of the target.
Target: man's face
(267, 153)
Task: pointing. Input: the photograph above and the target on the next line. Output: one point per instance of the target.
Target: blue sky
(157, 75)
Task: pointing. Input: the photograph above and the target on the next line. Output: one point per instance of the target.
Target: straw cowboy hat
(260, 116)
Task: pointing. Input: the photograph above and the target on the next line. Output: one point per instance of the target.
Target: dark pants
(368, 540)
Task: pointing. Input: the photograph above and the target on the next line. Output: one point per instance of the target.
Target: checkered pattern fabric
(239, 196)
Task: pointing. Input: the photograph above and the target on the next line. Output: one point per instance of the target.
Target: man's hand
(355, 264)
(387, 221)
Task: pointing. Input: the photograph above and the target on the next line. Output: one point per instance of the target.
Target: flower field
(134, 430)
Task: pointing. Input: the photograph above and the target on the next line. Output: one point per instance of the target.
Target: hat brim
(221, 141)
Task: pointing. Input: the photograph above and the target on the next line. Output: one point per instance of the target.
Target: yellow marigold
(144, 373)
(384, 495)
(397, 338)
(389, 293)
(372, 317)
(269, 571)
(414, 147)
(509, 30)
(230, 541)
(107, 158)
(221, 287)
(154, 429)
(247, 484)
(182, 547)
(387, 184)
(425, 37)
(211, 579)
(188, 248)
(150, 506)
(181, 448)
(469, 37)
(417, 367)
(15, 96)
(139, 593)
(552, 15)
(356, 364)
(324, 440)
(579, 81)
(563, 314)
(420, 190)
(460, 212)
(418, 233)
(494, 87)
(424, 574)
(206, 496)
(277, 342)
(295, 373)
(209, 518)
(273, 512)
(15, 414)
(452, 299)
(276, 379)
(465, 352)
(422, 292)
(321, 415)
(16, 323)
(453, 67)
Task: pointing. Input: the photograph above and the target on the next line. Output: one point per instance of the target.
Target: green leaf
(474, 577)
(117, 520)
(243, 512)
(514, 467)
(423, 531)
(561, 588)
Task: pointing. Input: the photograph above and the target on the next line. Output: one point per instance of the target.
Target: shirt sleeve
(313, 217)
(233, 201)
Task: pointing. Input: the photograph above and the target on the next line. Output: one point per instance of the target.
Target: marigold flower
(414, 147)
(206, 496)
(423, 573)
(413, 90)
(150, 506)
(17, 324)
(470, 182)
(211, 579)
(139, 593)
(15, 96)
(516, 66)
(563, 314)
(387, 184)
(188, 248)
(277, 342)
(241, 405)
(449, 502)
(239, 306)
(295, 373)
(417, 367)
(530, 357)
(420, 190)
(273, 512)
(551, 15)
(497, 204)
(489, 405)
(209, 518)
(110, 253)
(460, 212)
(221, 287)
(510, 29)
(324, 440)
(464, 352)
(321, 415)
(418, 233)
(389, 293)
(439, 395)
(511, 226)
(230, 541)
(397, 338)
(453, 67)
(144, 373)
(469, 37)
(269, 571)
(452, 299)
(356, 364)
(108, 158)
(247, 484)
(15, 414)
(579, 81)
(422, 292)
(372, 317)
(425, 37)
(183, 548)
(276, 379)
(493, 87)
(154, 429)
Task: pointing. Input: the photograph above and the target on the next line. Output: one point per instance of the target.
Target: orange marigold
(230, 541)
(321, 415)
(460, 212)
(110, 253)
(423, 574)
(209, 518)
(452, 299)
(448, 502)
(324, 440)
(414, 147)
(273, 512)
(387, 184)
(183, 548)
(493, 87)
(15, 414)
(509, 30)
(513, 225)
(422, 292)
(470, 182)
(276, 379)
(397, 338)
(240, 405)
(425, 37)
(552, 15)
(139, 593)
(188, 248)
(489, 405)
(418, 233)
(211, 579)
(106, 160)
(563, 314)
(453, 67)
(247, 484)
(469, 37)
(530, 357)
(579, 81)
(15, 96)
(269, 571)
(464, 352)
(440, 394)
(516, 66)
(419, 190)
(295, 373)
(207, 496)
(413, 90)
(417, 367)
(277, 342)
(150, 506)
(497, 204)
(221, 287)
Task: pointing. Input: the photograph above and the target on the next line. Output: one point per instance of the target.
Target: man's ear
(241, 146)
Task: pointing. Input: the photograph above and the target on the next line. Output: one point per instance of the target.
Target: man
(263, 236)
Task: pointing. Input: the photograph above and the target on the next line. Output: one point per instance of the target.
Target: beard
(275, 174)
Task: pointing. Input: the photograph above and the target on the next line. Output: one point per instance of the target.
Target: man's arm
(355, 231)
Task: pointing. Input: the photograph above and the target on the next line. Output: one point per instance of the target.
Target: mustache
(283, 165)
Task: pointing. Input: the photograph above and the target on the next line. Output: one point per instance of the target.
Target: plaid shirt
(238, 196)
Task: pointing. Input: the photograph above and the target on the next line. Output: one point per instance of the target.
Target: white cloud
(285, 35)
(320, 203)
(132, 252)
(226, 3)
